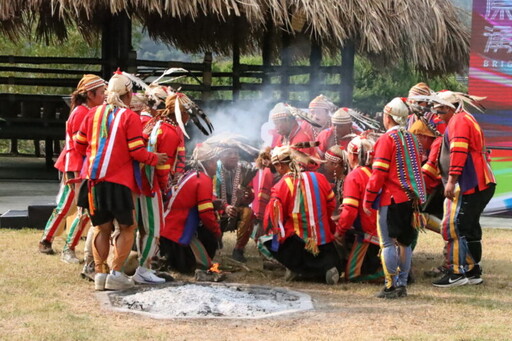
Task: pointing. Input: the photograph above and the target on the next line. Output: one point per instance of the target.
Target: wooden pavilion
(427, 34)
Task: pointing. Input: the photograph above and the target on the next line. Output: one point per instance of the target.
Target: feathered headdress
(178, 103)
(298, 160)
(226, 141)
(459, 100)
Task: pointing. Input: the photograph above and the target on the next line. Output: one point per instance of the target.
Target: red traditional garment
(70, 160)
(352, 214)
(327, 139)
(297, 135)
(302, 205)
(262, 184)
(190, 203)
(396, 169)
(468, 156)
(164, 137)
(145, 117)
(430, 169)
(111, 139)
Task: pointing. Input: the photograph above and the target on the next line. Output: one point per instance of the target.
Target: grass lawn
(45, 299)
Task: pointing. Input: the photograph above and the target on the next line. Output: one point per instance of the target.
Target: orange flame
(214, 268)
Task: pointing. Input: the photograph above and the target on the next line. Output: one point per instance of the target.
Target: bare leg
(123, 245)
(101, 245)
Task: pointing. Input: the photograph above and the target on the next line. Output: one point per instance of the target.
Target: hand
(232, 211)
(162, 158)
(449, 190)
(367, 210)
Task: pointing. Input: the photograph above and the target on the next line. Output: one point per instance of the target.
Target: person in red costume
(341, 132)
(191, 233)
(321, 109)
(396, 189)
(355, 229)
(163, 135)
(89, 93)
(469, 185)
(110, 138)
(299, 218)
(290, 132)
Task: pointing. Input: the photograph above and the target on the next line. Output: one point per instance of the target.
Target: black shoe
(474, 276)
(402, 291)
(165, 275)
(389, 293)
(46, 247)
(450, 280)
(238, 255)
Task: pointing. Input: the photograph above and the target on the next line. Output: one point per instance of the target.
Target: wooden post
(285, 64)
(315, 59)
(236, 58)
(116, 44)
(207, 76)
(347, 74)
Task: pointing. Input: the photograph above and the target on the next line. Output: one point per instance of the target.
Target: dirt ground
(45, 299)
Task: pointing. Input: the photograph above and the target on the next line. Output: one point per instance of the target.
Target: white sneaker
(99, 281)
(117, 280)
(332, 276)
(68, 256)
(145, 276)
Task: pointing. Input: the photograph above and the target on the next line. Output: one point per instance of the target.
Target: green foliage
(374, 87)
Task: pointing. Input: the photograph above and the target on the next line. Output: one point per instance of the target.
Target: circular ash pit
(208, 300)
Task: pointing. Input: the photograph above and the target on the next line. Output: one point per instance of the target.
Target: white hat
(398, 110)
(118, 85)
(280, 111)
(341, 117)
(449, 97)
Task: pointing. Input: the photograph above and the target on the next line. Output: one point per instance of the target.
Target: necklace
(235, 184)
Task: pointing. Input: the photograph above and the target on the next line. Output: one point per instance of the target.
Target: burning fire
(214, 268)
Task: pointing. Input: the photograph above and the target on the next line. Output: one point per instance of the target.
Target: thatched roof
(427, 33)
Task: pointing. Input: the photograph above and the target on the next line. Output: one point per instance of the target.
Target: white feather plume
(177, 113)
(168, 72)
(139, 82)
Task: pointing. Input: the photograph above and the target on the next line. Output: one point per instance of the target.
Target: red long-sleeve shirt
(190, 202)
(297, 135)
(468, 157)
(111, 139)
(352, 207)
(385, 172)
(316, 202)
(430, 169)
(169, 138)
(262, 184)
(70, 160)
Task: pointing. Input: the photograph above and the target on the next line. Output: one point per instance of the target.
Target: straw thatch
(426, 33)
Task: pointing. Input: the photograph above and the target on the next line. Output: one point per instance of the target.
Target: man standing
(89, 93)
(469, 186)
(396, 188)
(111, 139)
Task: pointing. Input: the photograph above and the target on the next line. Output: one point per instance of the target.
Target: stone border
(106, 299)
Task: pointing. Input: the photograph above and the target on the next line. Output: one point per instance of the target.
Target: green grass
(44, 299)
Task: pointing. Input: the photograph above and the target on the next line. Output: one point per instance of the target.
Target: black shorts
(399, 221)
(112, 201)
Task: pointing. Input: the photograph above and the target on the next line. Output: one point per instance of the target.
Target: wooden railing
(40, 116)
